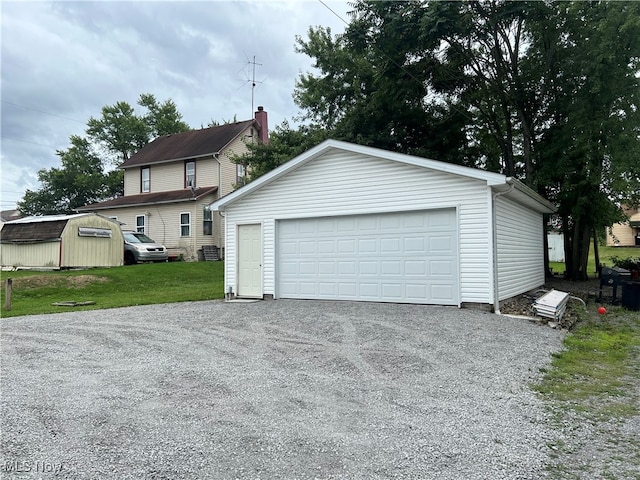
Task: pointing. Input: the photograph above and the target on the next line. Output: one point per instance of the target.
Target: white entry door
(250, 261)
(404, 257)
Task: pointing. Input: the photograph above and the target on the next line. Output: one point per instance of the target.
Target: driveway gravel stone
(274, 389)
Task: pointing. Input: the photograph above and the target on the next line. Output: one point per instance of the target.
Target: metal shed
(62, 241)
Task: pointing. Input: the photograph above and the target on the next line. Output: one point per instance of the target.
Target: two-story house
(169, 183)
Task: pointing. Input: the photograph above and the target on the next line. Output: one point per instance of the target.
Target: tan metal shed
(62, 241)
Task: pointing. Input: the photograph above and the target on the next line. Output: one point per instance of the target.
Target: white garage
(347, 222)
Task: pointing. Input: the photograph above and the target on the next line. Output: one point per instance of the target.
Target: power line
(43, 112)
(333, 11)
(27, 141)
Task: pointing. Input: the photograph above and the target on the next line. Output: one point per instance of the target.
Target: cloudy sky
(63, 61)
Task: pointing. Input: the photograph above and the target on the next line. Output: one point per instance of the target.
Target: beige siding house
(62, 241)
(169, 184)
(626, 234)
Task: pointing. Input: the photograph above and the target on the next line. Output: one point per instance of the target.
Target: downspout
(496, 294)
(221, 239)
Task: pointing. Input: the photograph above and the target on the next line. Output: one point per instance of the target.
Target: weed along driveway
(273, 389)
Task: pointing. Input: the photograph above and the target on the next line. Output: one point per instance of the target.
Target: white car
(140, 248)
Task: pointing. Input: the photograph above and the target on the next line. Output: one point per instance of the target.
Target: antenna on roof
(253, 82)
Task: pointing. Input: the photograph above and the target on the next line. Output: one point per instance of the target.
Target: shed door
(250, 261)
(405, 257)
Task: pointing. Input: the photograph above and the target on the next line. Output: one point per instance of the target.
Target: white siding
(344, 183)
(520, 248)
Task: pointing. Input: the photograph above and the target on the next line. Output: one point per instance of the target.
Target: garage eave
(492, 179)
(524, 195)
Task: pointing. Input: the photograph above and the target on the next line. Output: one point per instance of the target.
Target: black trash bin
(631, 295)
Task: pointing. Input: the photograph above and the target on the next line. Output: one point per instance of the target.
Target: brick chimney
(261, 117)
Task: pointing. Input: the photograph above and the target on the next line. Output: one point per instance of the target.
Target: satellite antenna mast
(253, 81)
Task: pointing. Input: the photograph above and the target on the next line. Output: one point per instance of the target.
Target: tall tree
(121, 132)
(543, 91)
(589, 152)
(87, 174)
(80, 180)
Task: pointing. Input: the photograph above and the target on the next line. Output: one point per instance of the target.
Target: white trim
(180, 225)
(491, 179)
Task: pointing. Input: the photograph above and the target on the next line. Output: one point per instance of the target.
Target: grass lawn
(592, 389)
(34, 292)
(606, 253)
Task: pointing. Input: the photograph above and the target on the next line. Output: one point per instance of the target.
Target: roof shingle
(182, 195)
(194, 143)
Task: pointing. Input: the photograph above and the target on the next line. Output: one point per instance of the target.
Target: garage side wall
(520, 248)
(345, 183)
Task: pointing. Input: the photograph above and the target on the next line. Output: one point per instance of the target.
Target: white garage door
(408, 257)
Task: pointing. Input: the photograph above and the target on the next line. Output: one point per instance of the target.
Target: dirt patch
(40, 281)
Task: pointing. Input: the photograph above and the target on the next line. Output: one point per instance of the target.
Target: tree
(80, 181)
(588, 154)
(87, 174)
(543, 91)
(122, 133)
(284, 144)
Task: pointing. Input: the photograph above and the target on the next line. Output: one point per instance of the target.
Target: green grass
(34, 292)
(605, 258)
(598, 368)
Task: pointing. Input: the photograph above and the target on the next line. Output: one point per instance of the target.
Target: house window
(185, 224)
(207, 221)
(240, 173)
(145, 179)
(190, 174)
(140, 224)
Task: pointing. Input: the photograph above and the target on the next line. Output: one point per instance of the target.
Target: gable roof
(500, 183)
(191, 144)
(37, 228)
(172, 196)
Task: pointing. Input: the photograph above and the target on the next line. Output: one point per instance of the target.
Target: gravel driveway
(273, 389)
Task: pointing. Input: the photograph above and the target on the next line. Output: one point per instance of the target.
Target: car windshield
(137, 238)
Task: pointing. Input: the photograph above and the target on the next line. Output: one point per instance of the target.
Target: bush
(628, 263)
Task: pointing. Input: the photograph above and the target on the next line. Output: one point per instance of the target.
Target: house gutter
(496, 294)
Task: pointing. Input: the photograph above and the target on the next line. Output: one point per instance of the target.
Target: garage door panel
(392, 268)
(390, 245)
(327, 289)
(441, 292)
(347, 246)
(347, 289)
(368, 268)
(400, 257)
(441, 267)
(415, 267)
(367, 246)
(440, 244)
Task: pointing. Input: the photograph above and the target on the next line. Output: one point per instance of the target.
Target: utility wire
(42, 111)
(27, 141)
